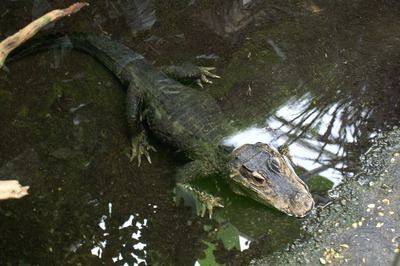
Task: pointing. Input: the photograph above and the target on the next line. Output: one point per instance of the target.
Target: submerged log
(15, 40)
(12, 189)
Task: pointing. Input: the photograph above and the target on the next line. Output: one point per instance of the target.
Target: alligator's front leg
(140, 147)
(135, 115)
(195, 170)
(190, 72)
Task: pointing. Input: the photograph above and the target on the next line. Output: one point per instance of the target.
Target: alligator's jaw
(265, 175)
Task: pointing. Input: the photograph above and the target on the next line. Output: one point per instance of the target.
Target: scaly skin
(191, 121)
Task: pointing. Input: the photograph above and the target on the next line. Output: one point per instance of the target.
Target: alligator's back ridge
(182, 116)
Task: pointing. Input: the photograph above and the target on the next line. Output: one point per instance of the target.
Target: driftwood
(12, 42)
(12, 189)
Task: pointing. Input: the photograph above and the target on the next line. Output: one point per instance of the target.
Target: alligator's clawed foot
(192, 73)
(207, 201)
(205, 74)
(140, 147)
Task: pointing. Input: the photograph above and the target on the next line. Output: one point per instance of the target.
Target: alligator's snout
(267, 176)
(302, 204)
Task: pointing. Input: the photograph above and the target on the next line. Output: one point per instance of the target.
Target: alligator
(190, 120)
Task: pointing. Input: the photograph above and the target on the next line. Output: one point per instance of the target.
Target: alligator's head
(266, 176)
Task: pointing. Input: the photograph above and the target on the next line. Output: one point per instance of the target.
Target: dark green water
(88, 205)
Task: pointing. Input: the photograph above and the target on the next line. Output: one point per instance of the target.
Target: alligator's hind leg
(135, 115)
(190, 73)
(140, 147)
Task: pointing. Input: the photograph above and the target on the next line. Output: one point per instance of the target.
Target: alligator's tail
(115, 56)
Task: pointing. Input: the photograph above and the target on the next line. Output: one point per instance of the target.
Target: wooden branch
(12, 189)
(12, 42)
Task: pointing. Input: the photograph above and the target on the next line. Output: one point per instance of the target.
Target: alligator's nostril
(297, 197)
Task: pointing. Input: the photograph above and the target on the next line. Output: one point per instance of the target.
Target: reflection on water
(98, 248)
(307, 146)
(319, 76)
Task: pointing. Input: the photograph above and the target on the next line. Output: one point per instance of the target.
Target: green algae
(318, 184)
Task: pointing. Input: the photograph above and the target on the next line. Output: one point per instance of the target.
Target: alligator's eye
(275, 164)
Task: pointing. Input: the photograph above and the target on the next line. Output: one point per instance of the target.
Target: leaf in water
(189, 198)
(229, 235)
(139, 14)
(209, 256)
(318, 183)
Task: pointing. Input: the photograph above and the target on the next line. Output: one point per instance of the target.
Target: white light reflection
(109, 209)
(127, 223)
(306, 149)
(139, 224)
(244, 242)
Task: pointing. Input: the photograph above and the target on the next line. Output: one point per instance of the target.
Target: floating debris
(277, 50)
(249, 90)
(208, 56)
(74, 109)
(386, 201)
(379, 225)
(331, 255)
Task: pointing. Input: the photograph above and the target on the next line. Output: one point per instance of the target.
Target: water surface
(322, 77)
